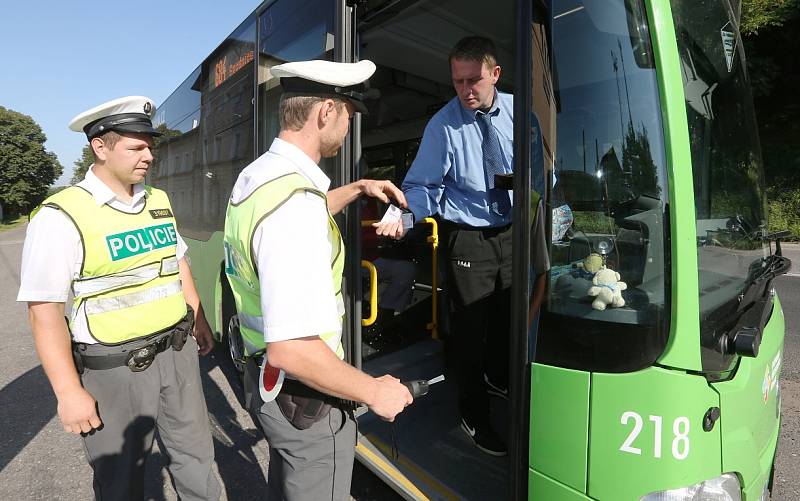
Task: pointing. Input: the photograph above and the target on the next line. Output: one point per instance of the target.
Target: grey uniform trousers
(314, 464)
(169, 395)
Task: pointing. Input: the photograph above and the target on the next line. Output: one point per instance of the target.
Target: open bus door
(404, 330)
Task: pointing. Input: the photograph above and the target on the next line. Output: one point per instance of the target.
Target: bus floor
(426, 441)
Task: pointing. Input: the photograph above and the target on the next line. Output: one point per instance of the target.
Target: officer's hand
(202, 334)
(383, 190)
(391, 397)
(77, 411)
(392, 230)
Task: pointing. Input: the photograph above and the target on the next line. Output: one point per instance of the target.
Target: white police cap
(126, 114)
(326, 78)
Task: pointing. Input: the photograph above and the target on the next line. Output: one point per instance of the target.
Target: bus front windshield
(729, 196)
(608, 192)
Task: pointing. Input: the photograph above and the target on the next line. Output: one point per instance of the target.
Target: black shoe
(495, 388)
(485, 439)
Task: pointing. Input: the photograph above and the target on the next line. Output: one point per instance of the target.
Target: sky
(59, 58)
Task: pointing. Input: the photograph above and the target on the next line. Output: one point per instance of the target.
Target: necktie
(499, 201)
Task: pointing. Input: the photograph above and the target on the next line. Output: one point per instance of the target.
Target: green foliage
(637, 159)
(593, 222)
(12, 223)
(166, 133)
(26, 169)
(784, 210)
(82, 165)
(758, 14)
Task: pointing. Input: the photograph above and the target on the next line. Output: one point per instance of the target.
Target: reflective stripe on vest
(240, 223)
(128, 285)
(92, 286)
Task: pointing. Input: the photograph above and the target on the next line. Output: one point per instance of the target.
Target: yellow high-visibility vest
(128, 286)
(241, 221)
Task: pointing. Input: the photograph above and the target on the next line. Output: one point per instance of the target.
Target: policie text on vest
(141, 240)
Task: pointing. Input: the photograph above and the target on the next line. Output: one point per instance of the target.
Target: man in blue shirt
(461, 174)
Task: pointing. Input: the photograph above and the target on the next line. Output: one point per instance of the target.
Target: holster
(303, 406)
(302, 412)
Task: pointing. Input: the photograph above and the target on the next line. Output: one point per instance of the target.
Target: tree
(82, 165)
(26, 169)
(757, 14)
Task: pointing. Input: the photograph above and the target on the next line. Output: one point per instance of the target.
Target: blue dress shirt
(447, 176)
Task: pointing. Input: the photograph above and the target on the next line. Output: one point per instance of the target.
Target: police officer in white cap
(284, 262)
(130, 363)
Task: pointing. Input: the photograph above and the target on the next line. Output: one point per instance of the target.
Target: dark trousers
(479, 280)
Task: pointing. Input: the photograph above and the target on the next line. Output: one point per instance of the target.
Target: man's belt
(297, 389)
(139, 354)
(446, 225)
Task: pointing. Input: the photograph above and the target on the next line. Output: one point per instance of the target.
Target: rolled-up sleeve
(424, 183)
(293, 255)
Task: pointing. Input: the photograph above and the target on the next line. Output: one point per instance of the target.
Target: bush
(784, 210)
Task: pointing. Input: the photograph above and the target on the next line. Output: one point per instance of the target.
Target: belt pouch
(76, 358)
(302, 412)
(182, 330)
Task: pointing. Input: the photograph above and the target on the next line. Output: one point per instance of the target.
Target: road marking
(13, 242)
(792, 274)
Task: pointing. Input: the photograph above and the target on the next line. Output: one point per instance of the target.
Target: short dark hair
(475, 48)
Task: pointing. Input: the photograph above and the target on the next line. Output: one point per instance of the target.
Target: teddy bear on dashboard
(608, 289)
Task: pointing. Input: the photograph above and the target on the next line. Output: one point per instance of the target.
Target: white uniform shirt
(52, 254)
(293, 251)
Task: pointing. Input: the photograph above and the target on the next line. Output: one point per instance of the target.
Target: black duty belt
(297, 389)
(138, 354)
(486, 230)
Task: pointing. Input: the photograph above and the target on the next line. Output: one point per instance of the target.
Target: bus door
(400, 288)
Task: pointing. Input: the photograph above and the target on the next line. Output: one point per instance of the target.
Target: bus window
(729, 196)
(289, 30)
(207, 124)
(608, 194)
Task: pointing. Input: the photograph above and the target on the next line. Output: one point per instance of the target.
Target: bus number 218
(680, 435)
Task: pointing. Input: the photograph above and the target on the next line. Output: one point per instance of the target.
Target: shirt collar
(304, 164)
(102, 193)
(493, 111)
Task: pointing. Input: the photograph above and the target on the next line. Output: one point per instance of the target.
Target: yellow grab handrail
(373, 293)
(433, 239)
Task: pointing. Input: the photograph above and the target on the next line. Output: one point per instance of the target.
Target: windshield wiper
(755, 308)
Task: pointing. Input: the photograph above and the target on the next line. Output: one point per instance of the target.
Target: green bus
(634, 123)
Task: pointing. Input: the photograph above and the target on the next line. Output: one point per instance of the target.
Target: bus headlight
(723, 488)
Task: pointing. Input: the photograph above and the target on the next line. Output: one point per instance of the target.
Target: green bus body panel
(683, 347)
(750, 417)
(206, 257)
(560, 424)
(546, 489)
(676, 399)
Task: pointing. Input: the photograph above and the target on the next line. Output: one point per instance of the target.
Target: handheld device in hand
(420, 387)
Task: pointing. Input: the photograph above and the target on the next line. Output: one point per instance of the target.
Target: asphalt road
(38, 460)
